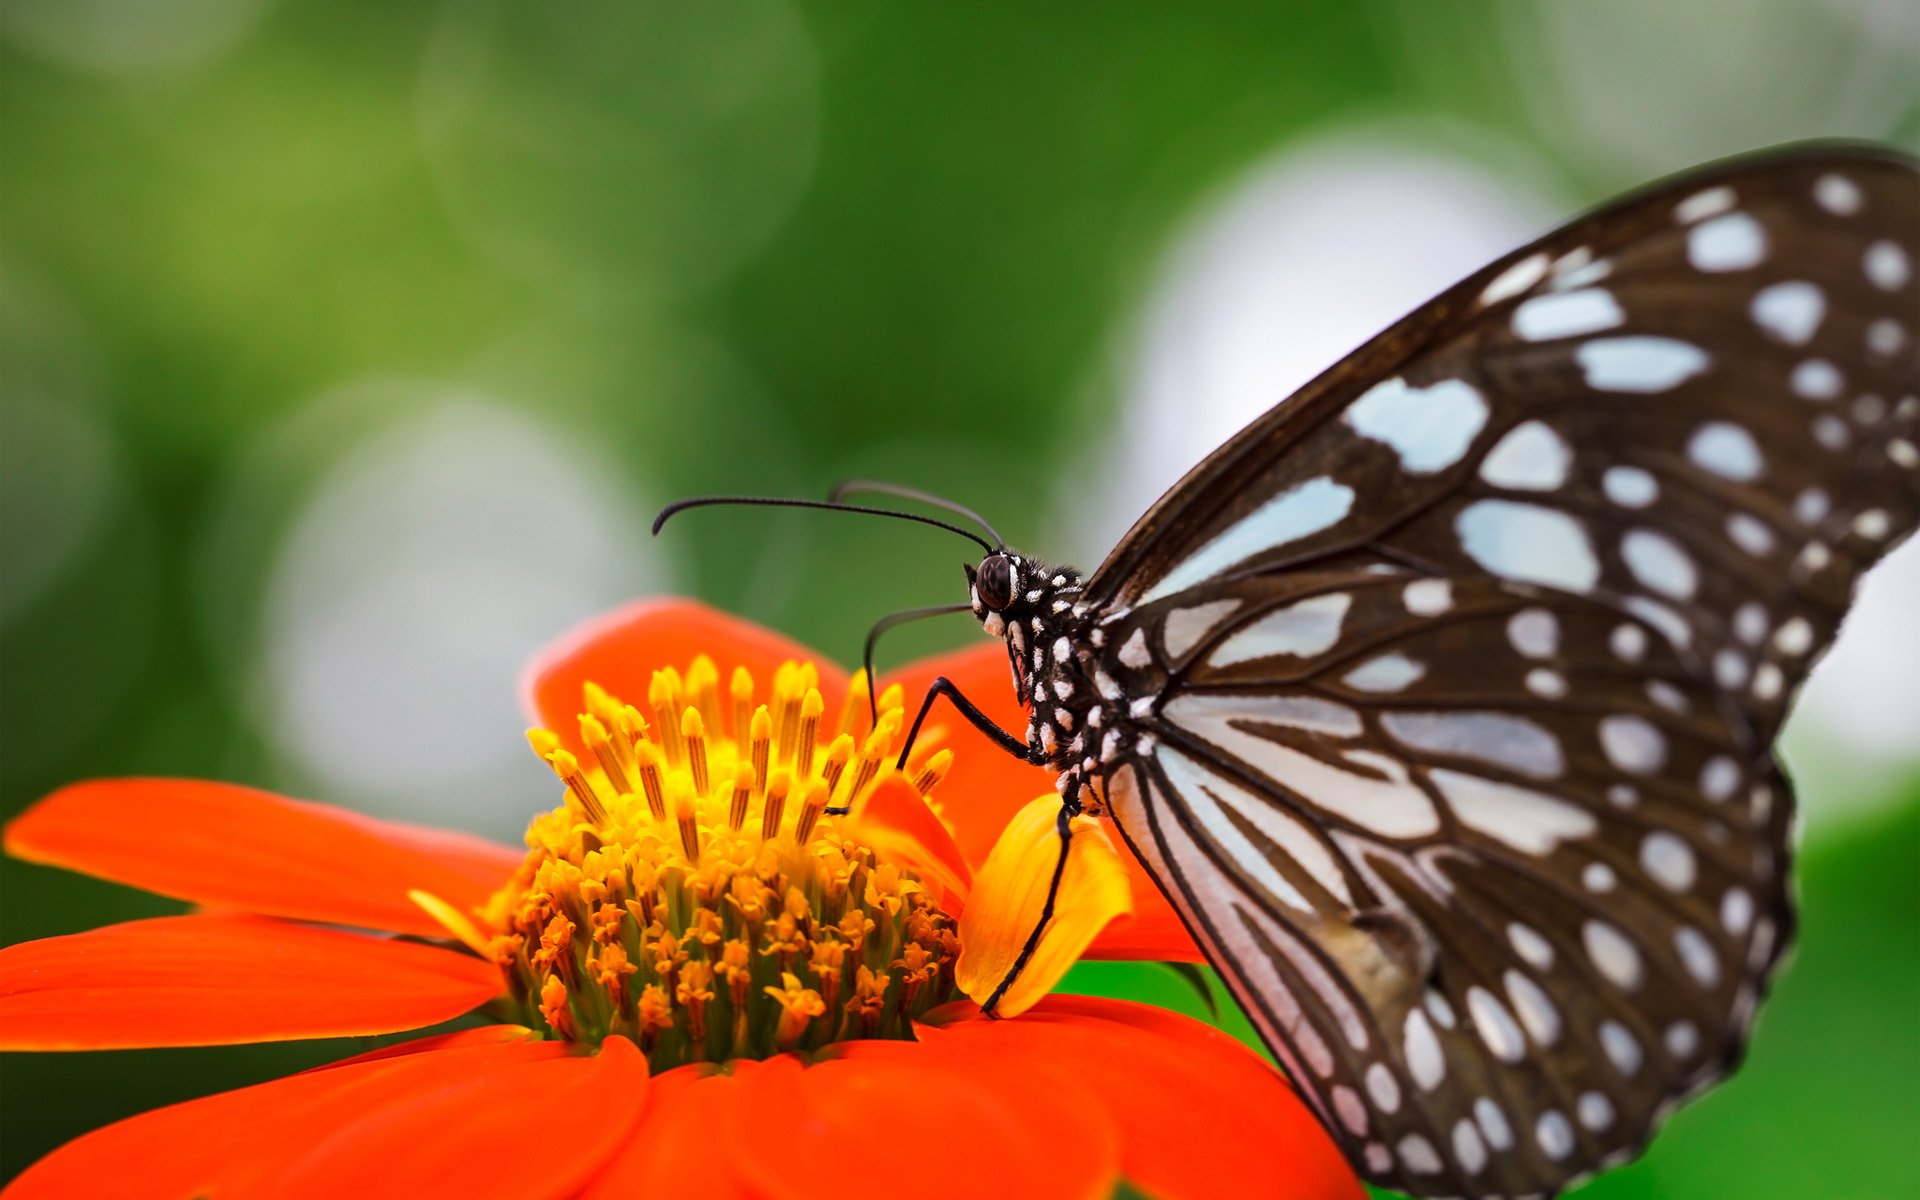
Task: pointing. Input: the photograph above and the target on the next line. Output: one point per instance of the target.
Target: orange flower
(701, 972)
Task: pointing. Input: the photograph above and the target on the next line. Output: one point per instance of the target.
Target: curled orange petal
(1009, 901)
(897, 822)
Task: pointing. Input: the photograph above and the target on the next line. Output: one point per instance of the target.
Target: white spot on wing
(1300, 511)
(1383, 1088)
(1790, 312)
(1516, 278)
(1621, 1047)
(1186, 627)
(1531, 457)
(1725, 449)
(1639, 364)
(1613, 953)
(1303, 628)
(1837, 194)
(1496, 1025)
(1429, 428)
(1630, 487)
(1886, 266)
(1422, 1050)
(1668, 860)
(1633, 744)
(1734, 242)
(1534, 632)
(1428, 597)
(1391, 672)
(1530, 543)
(1529, 821)
(1133, 651)
(1703, 204)
(1816, 379)
(1660, 563)
(1555, 1134)
(1502, 739)
(1567, 314)
(1384, 801)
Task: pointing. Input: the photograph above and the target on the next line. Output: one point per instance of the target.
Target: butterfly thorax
(1035, 608)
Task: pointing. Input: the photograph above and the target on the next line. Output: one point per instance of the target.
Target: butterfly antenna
(679, 506)
(888, 622)
(901, 492)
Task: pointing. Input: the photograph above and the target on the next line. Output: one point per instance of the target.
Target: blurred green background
(346, 349)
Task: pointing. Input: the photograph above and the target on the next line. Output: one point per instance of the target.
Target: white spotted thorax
(1440, 701)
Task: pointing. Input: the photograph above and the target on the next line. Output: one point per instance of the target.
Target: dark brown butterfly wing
(1460, 670)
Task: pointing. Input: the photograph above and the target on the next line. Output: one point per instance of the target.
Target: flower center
(696, 892)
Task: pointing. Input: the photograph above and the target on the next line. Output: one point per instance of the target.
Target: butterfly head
(994, 587)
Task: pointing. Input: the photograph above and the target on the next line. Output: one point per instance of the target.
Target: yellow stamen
(648, 756)
(693, 731)
(775, 808)
(741, 688)
(703, 690)
(814, 803)
(594, 733)
(935, 769)
(742, 792)
(838, 755)
(808, 742)
(683, 816)
(853, 714)
(762, 728)
(567, 767)
(664, 695)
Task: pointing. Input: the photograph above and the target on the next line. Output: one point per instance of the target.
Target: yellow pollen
(697, 889)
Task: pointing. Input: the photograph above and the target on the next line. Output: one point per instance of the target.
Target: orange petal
(621, 650)
(221, 979)
(1199, 1114)
(1009, 897)
(672, 1152)
(903, 1121)
(467, 1133)
(222, 1145)
(459, 1039)
(239, 848)
(896, 821)
(987, 786)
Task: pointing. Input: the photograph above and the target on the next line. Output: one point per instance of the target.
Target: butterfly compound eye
(993, 582)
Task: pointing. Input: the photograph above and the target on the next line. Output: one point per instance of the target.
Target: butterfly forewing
(1459, 671)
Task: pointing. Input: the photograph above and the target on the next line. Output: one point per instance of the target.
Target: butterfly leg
(1063, 825)
(981, 721)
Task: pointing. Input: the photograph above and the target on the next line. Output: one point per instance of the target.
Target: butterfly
(1440, 700)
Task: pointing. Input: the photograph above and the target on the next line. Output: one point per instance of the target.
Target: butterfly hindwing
(1492, 929)
(1455, 677)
